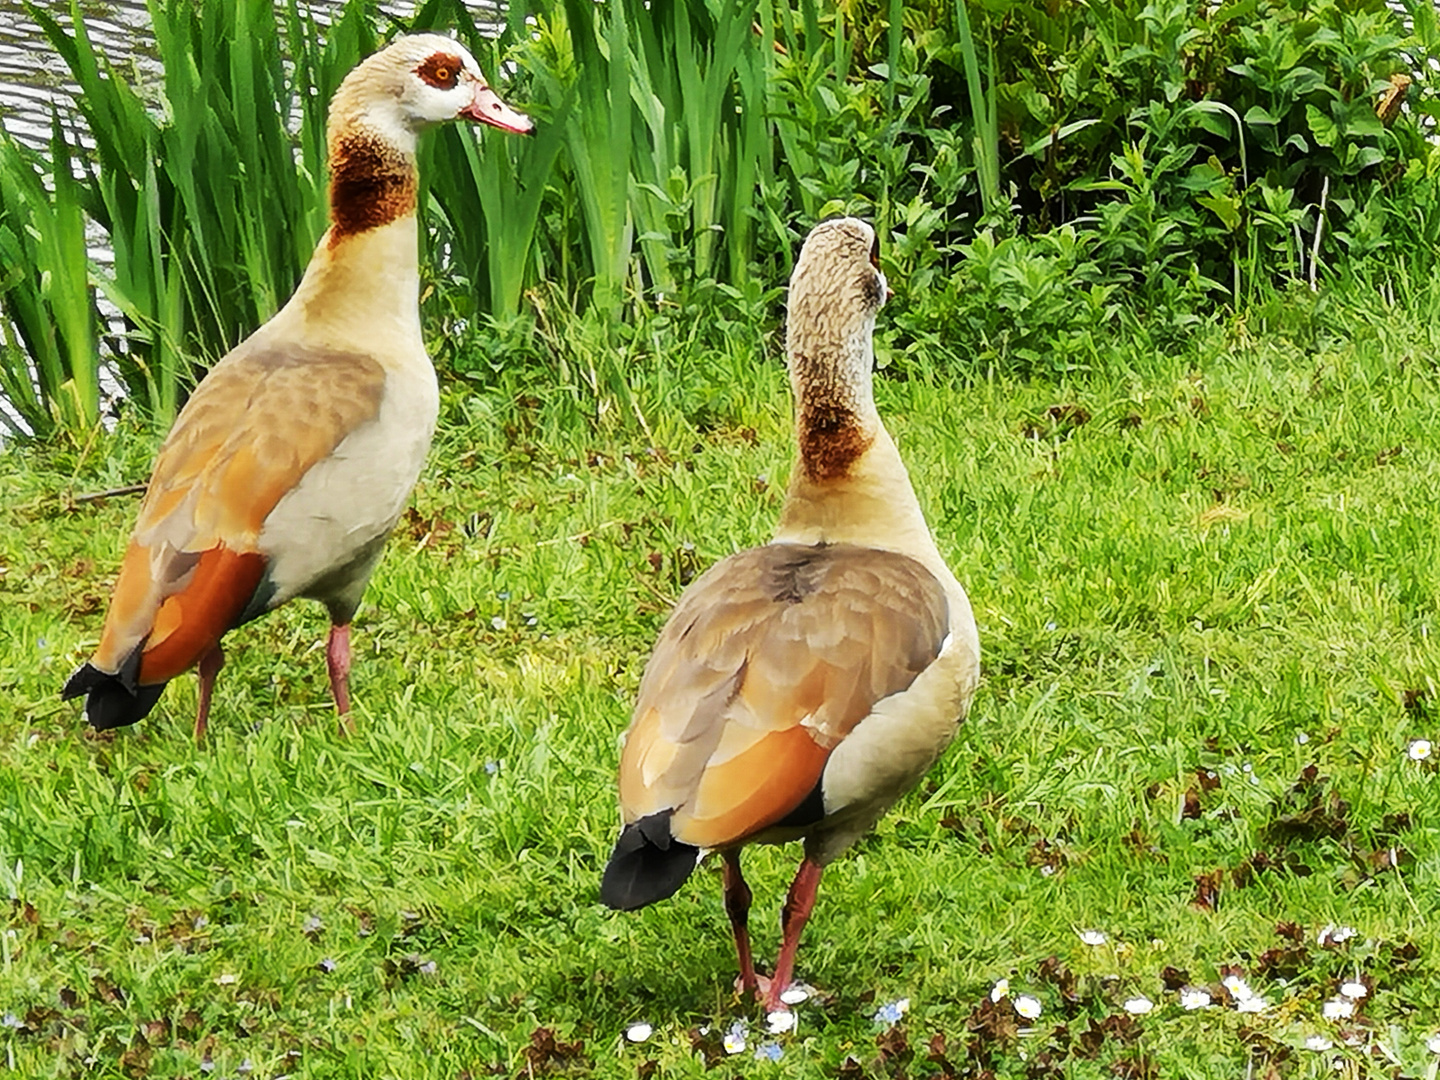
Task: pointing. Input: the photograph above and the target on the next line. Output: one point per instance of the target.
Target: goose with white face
(422, 80)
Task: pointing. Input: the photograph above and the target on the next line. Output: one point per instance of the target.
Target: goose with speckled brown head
(292, 460)
(799, 688)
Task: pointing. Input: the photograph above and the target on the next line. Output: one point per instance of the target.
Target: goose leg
(737, 906)
(798, 905)
(210, 665)
(337, 660)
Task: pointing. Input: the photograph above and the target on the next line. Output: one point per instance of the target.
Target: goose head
(418, 81)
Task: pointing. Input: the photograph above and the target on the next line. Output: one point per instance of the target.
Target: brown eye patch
(875, 252)
(440, 70)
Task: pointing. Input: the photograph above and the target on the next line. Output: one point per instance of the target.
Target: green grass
(1223, 577)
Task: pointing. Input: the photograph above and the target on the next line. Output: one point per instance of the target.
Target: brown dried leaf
(1207, 890)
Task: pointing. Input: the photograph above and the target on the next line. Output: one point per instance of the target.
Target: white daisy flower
(1419, 749)
(1092, 937)
(1027, 1007)
(1319, 1043)
(1238, 987)
(780, 1021)
(1338, 1009)
(1193, 997)
(1138, 1005)
(1001, 989)
(1254, 1004)
(796, 994)
(1354, 989)
(638, 1033)
(1433, 1044)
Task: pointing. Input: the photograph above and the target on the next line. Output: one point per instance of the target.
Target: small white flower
(1238, 987)
(1138, 1005)
(226, 979)
(796, 994)
(1302, 738)
(498, 622)
(1027, 1007)
(1433, 1044)
(1354, 989)
(1318, 1042)
(1338, 1009)
(734, 1042)
(780, 1021)
(1001, 989)
(1335, 935)
(1419, 749)
(1092, 937)
(1254, 1004)
(1193, 997)
(638, 1033)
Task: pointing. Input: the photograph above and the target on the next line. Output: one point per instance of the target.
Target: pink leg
(210, 665)
(337, 659)
(798, 906)
(737, 906)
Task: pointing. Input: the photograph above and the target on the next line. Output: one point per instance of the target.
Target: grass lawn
(1206, 586)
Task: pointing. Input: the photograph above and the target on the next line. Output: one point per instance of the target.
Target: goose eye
(440, 71)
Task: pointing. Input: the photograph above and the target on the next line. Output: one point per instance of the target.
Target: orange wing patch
(768, 662)
(190, 623)
(753, 789)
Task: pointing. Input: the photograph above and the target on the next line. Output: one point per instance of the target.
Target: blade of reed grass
(986, 140)
(53, 381)
(598, 141)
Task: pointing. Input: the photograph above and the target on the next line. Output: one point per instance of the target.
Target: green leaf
(1321, 127)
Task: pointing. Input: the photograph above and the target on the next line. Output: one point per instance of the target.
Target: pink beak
(487, 108)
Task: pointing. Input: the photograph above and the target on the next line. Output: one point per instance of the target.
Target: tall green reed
(209, 206)
(48, 369)
(983, 113)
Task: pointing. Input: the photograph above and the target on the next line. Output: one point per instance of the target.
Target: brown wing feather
(247, 435)
(769, 660)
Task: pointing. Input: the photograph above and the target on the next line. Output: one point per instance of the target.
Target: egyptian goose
(295, 455)
(798, 689)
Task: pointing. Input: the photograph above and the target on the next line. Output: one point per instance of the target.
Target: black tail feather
(648, 864)
(113, 700)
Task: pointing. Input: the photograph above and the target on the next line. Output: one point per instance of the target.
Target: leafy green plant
(49, 374)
